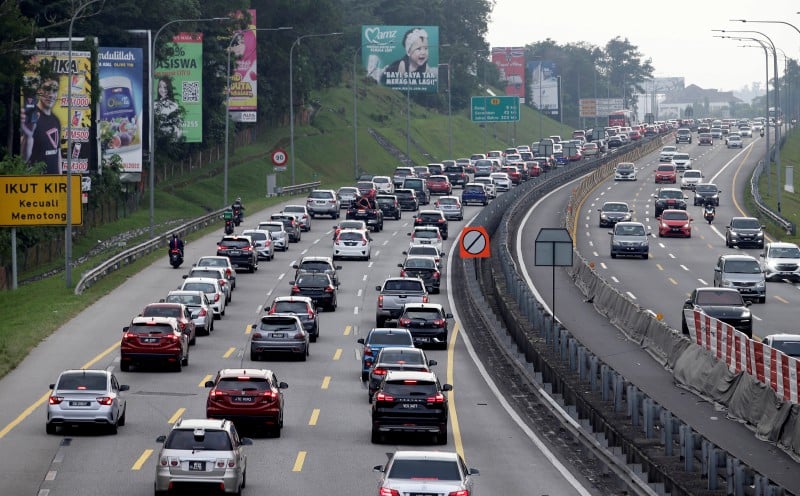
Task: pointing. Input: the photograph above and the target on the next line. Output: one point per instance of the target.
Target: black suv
(427, 323)
(410, 402)
(744, 231)
(240, 250)
(390, 206)
(725, 304)
(366, 209)
(456, 175)
(318, 264)
(434, 218)
(407, 198)
(669, 198)
(706, 193)
(319, 287)
(290, 225)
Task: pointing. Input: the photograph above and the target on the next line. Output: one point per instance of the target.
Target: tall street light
(151, 122)
(291, 93)
(68, 236)
(355, 111)
(234, 37)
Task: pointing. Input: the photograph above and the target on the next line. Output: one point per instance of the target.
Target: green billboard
(178, 89)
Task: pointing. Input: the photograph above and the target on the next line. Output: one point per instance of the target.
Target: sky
(675, 35)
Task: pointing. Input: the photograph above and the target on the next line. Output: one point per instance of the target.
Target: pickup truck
(456, 175)
(394, 294)
(366, 209)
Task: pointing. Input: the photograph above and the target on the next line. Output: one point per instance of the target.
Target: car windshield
(430, 217)
(675, 215)
(791, 348)
(199, 272)
(351, 236)
(665, 168)
(315, 266)
(425, 470)
(742, 267)
(390, 338)
(234, 243)
(191, 300)
(746, 224)
(162, 311)
(403, 194)
(785, 252)
(425, 234)
(410, 388)
(320, 195)
(150, 329)
(448, 201)
(629, 230)
(719, 298)
(212, 262)
(290, 307)
(615, 207)
(420, 263)
(435, 179)
(381, 180)
(244, 383)
(200, 286)
(624, 166)
(313, 281)
(185, 439)
(422, 313)
(382, 200)
(352, 225)
(273, 227)
(273, 324)
(681, 156)
(294, 209)
(365, 185)
(424, 250)
(411, 357)
(705, 188)
(348, 191)
(257, 236)
(80, 381)
(668, 193)
(403, 285)
(689, 174)
(471, 189)
(669, 149)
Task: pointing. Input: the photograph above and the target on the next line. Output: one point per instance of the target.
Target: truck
(394, 294)
(366, 209)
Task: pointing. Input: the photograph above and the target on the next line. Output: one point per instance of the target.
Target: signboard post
(494, 109)
(554, 249)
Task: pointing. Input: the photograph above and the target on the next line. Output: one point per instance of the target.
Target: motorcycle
(175, 258)
(708, 213)
(237, 216)
(229, 226)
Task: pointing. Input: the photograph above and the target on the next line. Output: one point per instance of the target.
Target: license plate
(243, 399)
(234, 252)
(149, 340)
(278, 335)
(423, 340)
(410, 405)
(425, 242)
(78, 403)
(421, 494)
(321, 202)
(195, 466)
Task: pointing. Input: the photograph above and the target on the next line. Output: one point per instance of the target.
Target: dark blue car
(474, 193)
(377, 339)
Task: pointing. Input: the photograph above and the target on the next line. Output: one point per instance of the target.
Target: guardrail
(788, 226)
(297, 188)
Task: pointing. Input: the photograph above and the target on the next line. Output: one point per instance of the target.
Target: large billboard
(48, 81)
(242, 98)
(543, 87)
(121, 74)
(404, 58)
(510, 61)
(179, 89)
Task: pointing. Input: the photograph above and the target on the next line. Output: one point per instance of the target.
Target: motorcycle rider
(709, 211)
(238, 207)
(227, 215)
(176, 243)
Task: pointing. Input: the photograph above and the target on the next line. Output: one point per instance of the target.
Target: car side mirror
(610, 233)
(283, 385)
(338, 267)
(291, 283)
(124, 387)
(748, 303)
(408, 234)
(447, 387)
(448, 315)
(474, 471)
(185, 276)
(245, 441)
(378, 468)
(360, 341)
(717, 269)
(400, 265)
(161, 439)
(125, 329)
(209, 384)
(378, 288)
(432, 363)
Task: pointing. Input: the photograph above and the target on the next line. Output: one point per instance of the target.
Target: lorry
(394, 294)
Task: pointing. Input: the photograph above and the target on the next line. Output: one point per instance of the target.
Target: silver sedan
(86, 397)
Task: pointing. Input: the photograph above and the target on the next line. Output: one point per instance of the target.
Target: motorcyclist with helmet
(176, 243)
(238, 211)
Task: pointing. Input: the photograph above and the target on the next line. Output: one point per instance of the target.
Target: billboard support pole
(13, 258)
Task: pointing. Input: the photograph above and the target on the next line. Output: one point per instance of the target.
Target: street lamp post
(151, 120)
(291, 93)
(449, 108)
(228, 104)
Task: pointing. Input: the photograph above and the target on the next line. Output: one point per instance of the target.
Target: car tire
(441, 437)
(376, 437)
(124, 366)
(380, 322)
(185, 360)
(178, 366)
(122, 419)
(222, 313)
(113, 429)
(244, 479)
(304, 355)
(50, 428)
(254, 357)
(364, 376)
(613, 255)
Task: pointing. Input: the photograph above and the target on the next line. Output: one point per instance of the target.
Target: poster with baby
(404, 58)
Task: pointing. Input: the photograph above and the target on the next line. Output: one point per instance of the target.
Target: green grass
(767, 185)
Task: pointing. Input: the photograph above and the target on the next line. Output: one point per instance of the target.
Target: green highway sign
(495, 108)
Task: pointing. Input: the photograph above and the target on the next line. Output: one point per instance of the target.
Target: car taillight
(425, 299)
(367, 351)
(402, 273)
(247, 248)
(441, 221)
(404, 322)
(270, 395)
(461, 492)
(216, 297)
(257, 335)
(271, 311)
(383, 397)
(228, 273)
(363, 242)
(267, 243)
(380, 301)
(300, 336)
(56, 400)
(385, 491)
(222, 282)
(436, 275)
(310, 313)
(129, 337)
(105, 400)
(182, 325)
(221, 248)
(379, 371)
(329, 289)
(202, 313)
(295, 289)
(437, 398)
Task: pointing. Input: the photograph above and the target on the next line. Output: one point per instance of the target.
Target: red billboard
(511, 63)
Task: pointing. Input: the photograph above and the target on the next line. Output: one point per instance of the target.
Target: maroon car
(179, 311)
(439, 185)
(247, 397)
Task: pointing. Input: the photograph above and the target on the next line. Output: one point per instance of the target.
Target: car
(279, 333)
(474, 193)
(383, 184)
(426, 472)
(367, 189)
(457, 174)
(725, 304)
(788, 344)
(400, 174)
(734, 141)
(630, 239)
(615, 141)
(217, 273)
(669, 198)
(512, 171)
(347, 195)
(683, 135)
(420, 186)
(666, 153)
(743, 273)
(247, 397)
(217, 261)
(426, 251)
(716, 133)
(422, 171)
(477, 156)
(781, 261)
(86, 397)
(706, 193)
(319, 286)
(427, 323)
(240, 250)
(451, 207)
(625, 171)
(674, 223)
(483, 167)
(690, 178)
(300, 213)
(153, 339)
(315, 263)
(290, 225)
(201, 454)
(590, 149)
(488, 185)
(744, 231)
(614, 211)
(323, 202)
(350, 243)
(746, 130)
(435, 218)
(265, 248)
(199, 306)
(390, 206)
(179, 312)
(681, 161)
(425, 268)
(358, 225)
(280, 238)
(377, 339)
(407, 198)
(213, 290)
(439, 185)
(501, 180)
(438, 168)
(303, 307)
(426, 235)
(705, 139)
(666, 173)
(396, 358)
(410, 402)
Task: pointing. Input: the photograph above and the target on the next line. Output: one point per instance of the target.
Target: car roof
(209, 280)
(205, 424)
(239, 237)
(171, 321)
(214, 257)
(782, 244)
(426, 228)
(783, 336)
(304, 299)
(737, 256)
(316, 258)
(226, 373)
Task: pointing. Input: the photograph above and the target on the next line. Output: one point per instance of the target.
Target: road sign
(39, 200)
(495, 108)
(279, 157)
(474, 243)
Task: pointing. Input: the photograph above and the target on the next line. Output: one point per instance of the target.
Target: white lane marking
(281, 276)
(630, 294)
(614, 279)
(316, 241)
(756, 317)
(702, 282)
(591, 243)
(671, 255)
(304, 251)
(684, 267)
(358, 293)
(603, 265)
(364, 278)
(355, 311)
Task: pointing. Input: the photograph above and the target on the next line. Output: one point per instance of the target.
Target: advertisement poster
(543, 88)
(510, 61)
(179, 89)
(45, 110)
(404, 58)
(244, 76)
(121, 95)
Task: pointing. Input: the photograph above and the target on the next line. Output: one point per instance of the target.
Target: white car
(501, 180)
(426, 472)
(280, 238)
(352, 243)
(746, 131)
(625, 171)
(781, 260)
(212, 289)
(789, 344)
(666, 153)
(451, 207)
(691, 177)
(426, 236)
(488, 184)
(734, 141)
(681, 161)
(219, 261)
(300, 212)
(265, 248)
(384, 184)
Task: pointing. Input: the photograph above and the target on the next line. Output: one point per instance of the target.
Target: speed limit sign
(279, 157)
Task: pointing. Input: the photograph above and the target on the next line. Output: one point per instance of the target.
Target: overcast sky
(676, 34)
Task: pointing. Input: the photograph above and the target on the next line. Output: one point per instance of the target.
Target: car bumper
(668, 232)
(739, 241)
(95, 417)
(633, 251)
(350, 251)
(269, 416)
(453, 214)
(298, 347)
(264, 253)
(195, 484)
(139, 357)
(428, 336)
(626, 177)
(408, 424)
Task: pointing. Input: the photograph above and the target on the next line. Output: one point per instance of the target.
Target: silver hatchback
(202, 313)
(86, 397)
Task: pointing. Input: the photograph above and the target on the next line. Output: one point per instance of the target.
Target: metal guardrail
(788, 226)
(297, 188)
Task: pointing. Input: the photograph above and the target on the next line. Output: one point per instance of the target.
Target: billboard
(121, 74)
(48, 80)
(510, 61)
(404, 58)
(179, 89)
(243, 91)
(543, 87)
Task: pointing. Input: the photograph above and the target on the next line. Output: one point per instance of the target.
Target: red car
(251, 397)
(675, 223)
(513, 173)
(439, 185)
(179, 311)
(534, 169)
(150, 339)
(666, 174)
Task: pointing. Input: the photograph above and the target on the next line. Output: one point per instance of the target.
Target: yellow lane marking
(248, 329)
(348, 330)
(142, 459)
(338, 354)
(659, 267)
(36, 404)
(326, 381)
(175, 416)
(229, 353)
(203, 382)
(314, 417)
(451, 402)
(298, 462)
(781, 299)
(673, 281)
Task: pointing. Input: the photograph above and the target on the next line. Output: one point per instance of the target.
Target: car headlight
(627, 216)
(686, 226)
(760, 234)
(727, 284)
(760, 284)
(734, 233)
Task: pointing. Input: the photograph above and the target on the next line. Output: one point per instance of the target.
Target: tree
(625, 70)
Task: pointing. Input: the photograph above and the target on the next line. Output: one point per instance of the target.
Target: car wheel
(113, 429)
(613, 255)
(122, 418)
(380, 322)
(178, 366)
(185, 360)
(124, 366)
(50, 428)
(376, 437)
(762, 299)
(244, 479)
(364, 376)
(441, 437)
(222, 313)
(254, 356)
(313, 215)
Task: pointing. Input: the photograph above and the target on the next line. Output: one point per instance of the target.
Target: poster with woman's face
(404, 58)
